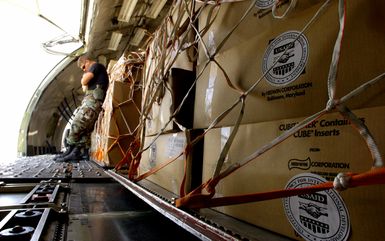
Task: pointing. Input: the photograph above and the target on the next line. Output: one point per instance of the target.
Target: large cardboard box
(296, 85)
(326, 148)
(166, 148)
(168, 97)
(168, 75)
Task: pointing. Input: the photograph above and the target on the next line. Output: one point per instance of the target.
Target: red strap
(157, 168)
(128, 156)
(187, 151)
(203, 201)
(372, 177)
(136, 155)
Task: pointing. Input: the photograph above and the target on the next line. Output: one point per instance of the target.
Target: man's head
(84, 62)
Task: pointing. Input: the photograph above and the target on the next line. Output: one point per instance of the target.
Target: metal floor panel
(86, 205)
(90, 203)
(110, 212)
(40, 167)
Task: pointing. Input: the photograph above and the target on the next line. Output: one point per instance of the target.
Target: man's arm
(86, 78)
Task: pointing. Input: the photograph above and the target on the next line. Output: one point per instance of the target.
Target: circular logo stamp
(285, 58)
(316, 216)
(263, 4)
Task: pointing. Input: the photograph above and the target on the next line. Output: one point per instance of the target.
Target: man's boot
(85, 153)
(74, 155)
(68, 151)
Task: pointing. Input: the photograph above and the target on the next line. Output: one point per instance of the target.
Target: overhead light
(155, 8)
(88, 20)
(139, 34)
(126, 10)
(115, 40)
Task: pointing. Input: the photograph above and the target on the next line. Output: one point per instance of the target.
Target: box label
(318, 128)
(175, 145)
(316, 216)
(286, 92)
(263, 4)
(308, 163)
(285, 58)
(152, 156)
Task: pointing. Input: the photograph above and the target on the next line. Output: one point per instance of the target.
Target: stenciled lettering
(339, 165)
(316, 197)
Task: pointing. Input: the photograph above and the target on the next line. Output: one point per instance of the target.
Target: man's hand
(85, 88)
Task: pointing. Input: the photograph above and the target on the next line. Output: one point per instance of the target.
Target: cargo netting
(180, 34)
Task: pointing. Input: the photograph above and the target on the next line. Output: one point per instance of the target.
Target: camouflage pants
(84, 121)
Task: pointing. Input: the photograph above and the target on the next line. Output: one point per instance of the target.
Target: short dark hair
(82, 58)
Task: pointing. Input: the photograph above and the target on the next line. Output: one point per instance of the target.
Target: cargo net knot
(331, 104)
(341, 182)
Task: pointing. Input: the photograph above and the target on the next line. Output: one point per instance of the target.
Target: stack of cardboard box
(327, 147)
(259, 40)
(288, 71)
(117, 125)
(294, 88)
(168, 78)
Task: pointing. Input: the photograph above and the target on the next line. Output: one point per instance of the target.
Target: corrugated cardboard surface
(242, 58)
(325, 148)
(165, 148)
(160, 110)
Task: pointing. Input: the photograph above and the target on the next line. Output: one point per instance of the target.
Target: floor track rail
(185, 220)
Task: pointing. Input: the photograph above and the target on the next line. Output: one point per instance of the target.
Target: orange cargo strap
(162, 165)
(134, 146)
(373, 177)
(157, 168)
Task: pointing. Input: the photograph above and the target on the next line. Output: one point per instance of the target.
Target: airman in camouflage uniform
(84, 120)
(94, 82)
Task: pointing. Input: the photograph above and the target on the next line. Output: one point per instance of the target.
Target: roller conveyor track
(205, 224)
(43, 167)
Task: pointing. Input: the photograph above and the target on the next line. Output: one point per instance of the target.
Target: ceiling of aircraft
(102, 24)
(109, 18)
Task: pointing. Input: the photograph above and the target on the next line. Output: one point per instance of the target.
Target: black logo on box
(299, 164)
(307, 163)
(285, 58)
(313, 209)
(314, 225)
(316, 216)
(264, 4)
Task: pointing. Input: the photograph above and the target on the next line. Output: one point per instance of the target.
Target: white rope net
(193, 37)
